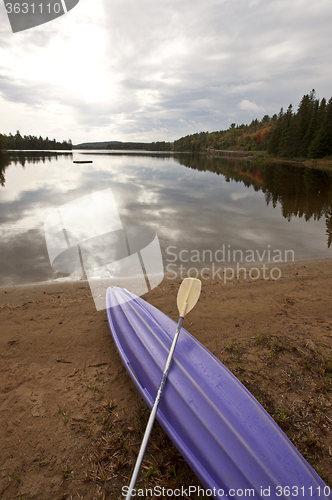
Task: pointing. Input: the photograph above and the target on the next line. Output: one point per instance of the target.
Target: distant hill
(96, 145)
(126, 146)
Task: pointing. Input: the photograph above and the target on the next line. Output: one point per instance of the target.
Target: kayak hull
(228, 439)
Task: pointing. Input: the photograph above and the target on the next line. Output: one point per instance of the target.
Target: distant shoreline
(322, 163)
(260, 156)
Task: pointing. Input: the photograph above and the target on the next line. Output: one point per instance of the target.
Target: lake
(206, 212)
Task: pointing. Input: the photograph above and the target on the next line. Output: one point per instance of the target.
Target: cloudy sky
(145, 70)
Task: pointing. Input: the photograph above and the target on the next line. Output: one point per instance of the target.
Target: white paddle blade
(188, 295)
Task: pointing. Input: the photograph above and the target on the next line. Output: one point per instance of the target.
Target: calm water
(203, 210)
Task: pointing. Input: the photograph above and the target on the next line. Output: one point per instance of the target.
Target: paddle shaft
(153, 413)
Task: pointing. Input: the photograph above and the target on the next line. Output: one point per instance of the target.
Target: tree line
(306, 133)
(141, 146)
(253, 137)
(243, 137)
(31, 142)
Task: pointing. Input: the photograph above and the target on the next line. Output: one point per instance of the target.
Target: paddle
(188, 294)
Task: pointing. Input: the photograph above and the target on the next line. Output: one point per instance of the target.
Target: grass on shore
(297, 397)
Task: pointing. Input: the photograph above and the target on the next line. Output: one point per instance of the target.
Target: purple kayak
(231, 443)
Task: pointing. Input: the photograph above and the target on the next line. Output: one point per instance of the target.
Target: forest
(145, 146)
(31, 142)
(305, 133)
(126, 146)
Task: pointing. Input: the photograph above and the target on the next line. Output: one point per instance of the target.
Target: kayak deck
(221, 430)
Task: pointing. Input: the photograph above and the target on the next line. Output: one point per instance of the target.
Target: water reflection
(23, 157)
(5, 161)
(193, 203)
(27, 157)
(301, 192)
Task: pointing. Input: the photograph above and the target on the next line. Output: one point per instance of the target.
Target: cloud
(249, 106)
(152, 70)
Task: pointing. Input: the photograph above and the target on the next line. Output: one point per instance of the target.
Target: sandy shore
(65, 393)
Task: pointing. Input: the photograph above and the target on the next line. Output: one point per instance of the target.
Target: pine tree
(274, 142)
(311, 131)
(322, 144)
(305, 115)
(286, 145)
